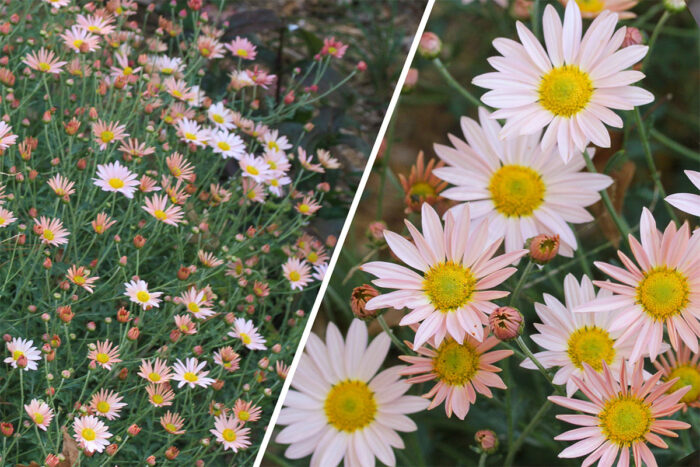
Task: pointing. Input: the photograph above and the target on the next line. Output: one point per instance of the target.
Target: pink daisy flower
(450, 295)
(242, 48)
(61, 186)
(7, 139)
(255, 168)
(185, 325)
(220, 116)
(230, 433)
(592, 8)
(461, 370)
(684, 367)
(227, 358)
(191, 373)
(80, 40)
(157, 373)
(333, 47)
(51, 231)
(620, 416)
(246, 331)
(40, 413)
(6, 217)
(173, 423)
(196, 303)
(246, 411)
(105, 354)
(160, 395)
(19, 348)
(97, 24)
(297, 272)
(116, 178)
(307, 206)
(107, 404)
(102, 222)
(44, 62)
(157, 206)
(663, 288)
(137, 291)
(687, 202)
(80, 276)
(107, 133)
(91, 433)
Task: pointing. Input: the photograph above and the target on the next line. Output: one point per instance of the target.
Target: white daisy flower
(221, 116)
(137, 291)
(91, 433)
(190, 132)
(191, 373)
(246, 331)
(115, 177)
(227, 144)
(19, 348)
(255, 168)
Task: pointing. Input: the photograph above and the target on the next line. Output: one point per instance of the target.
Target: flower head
(91, 433)
(22, 349)
(137, 291)
(117, 178)
(51, 231)
(687, 202)
(107, 404)
(157, 372)
(105, 354)
(191, 373)
(229, 431)
(246, 331)
(40, 413)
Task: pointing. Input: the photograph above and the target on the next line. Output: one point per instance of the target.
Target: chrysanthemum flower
(227, 358)
(230, 432)
(102, 222)
(208, 259)
(327, 161)
(7, 138)
(220, 116)
(133, 148)
(685, 366)
(44, 62)
(255, 168)
(209, 48)
(98, 24)
(157, 373)
(569, 88)
(242, 48)
(168, 65)
(185, 325)
(91, 433)
(157, 206)
(57, 3)
(340, 409)
(107, 404)
(179, 166)
(620, 416)
(306, 161)
(80, 276)
(105, 354)
(137, 291)
(80, 40)
(108, 133)
(52, 231)
(246, 331)
(246, 411)
(6, 217)
(422, 186)
(307, 206)
(19, 348)
(451, 293)
(273, 141)
(196, 303)
(160, 395)
(227, 144)
(190, 132)
(191, 373)
(663, 289)
(574, 339)
(40, 413)
(173, 423)
(297, 272)
(117, 178)
(333, 47)
(461, 370)
(61, 186)
(687, 202)
(522, 190)
(592, 8)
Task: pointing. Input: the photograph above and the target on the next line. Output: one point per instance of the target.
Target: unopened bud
(543, 248)
(358, 301)
(506, 323)
(488, 441)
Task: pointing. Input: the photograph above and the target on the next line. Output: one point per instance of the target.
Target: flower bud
(7, 429)
(133, 333)
(139, 241)
(674, 6)
(633, 36)
(133, 430)
(543, 248)
(488, 441)
(430, 45)
(411, 81)
(172, 452)
(506, 323)
(359, 298)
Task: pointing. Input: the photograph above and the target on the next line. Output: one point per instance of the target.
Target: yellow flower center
(191, 377)
(177, 93)
(449, 286)
(16, 354)
(565, 90)
(157, 398)
(43, 66)
(143, 296)
(48, 235)
(229, 435)
(128, 71)
(184, 328)
(663, 293)
(78, 280)
(155, 377)
(205, 52)
(116, 183)
(244, 415)
(88, 434)
(273, 145)
(350, 406)
(625, 420)
(456, 364)
(242, 52)
(38, 418)
(223, 145)
(516, 190)
(103, 407)
(294, 276)
(160, 214)
(252, 170)
(193, 307)
(422, 189)
(591, 6)
(102, 357)
(2, 220)
(304, 208)
(332, 50)
(313, 257)
(274, 182)
(170, 427)
(217, 118)
(591, 345)
(191, 136)
(687, 376)
(106, 136)
(93, 28)
(245, 338)
(77, 43)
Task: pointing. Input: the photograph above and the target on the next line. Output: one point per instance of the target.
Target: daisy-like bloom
(277, 161)
(306, 161)
(229, 431)
(6, 217)
(208, 259)
(107, 133)
(227, 144)
(7, 139)
(277, 183)
(246, 411)
(168, 65)
(252, 191)
(157, 206)
(40, 413)
(422, 186)
(160, 395)
(105, 354)
(185, 325)
(307, 206)
(19, 348)
(57, 3)
(255, 168)
(687, 202)
(210, 48)
(45, 61)
(172, 422)
(569, 88)
(179, 166)
(196, 303)
(220, 116)
(191, 373)
(190, 132)
(80, 40)
(683, 367)
(297, 272)
(137, 291)
(227, 358)
(275, 142)
(61, 186)
(117, 178)
(522, 190)
(327, 160)
(320, 271)
(178, 88)
(51, 231)
(157, 373)
(91, 433)
(147, 184)
(97, 24)
(242, 48)
(574, 339)
(620, 416)
(102, 222)
(461, 370)
(107, 404)
(246, 331)
(333, 47)
(80, 276)
(340, 408)
(663, 289)
(132, 147)
(451, 293)
(592, 8)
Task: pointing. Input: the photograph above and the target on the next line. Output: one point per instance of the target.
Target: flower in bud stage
(543, 248)
(506, 323)
(359, 298)
(674, 6)
(430, 45)
(488, 441)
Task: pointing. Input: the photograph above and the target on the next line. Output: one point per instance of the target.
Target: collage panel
(174, 176)
(518, 285)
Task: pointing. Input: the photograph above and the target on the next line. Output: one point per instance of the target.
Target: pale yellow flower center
(244, 415)
(229, 435)
(190, 136)
(422, 189)
(565, 90)
(242, 52)
(294, 276)
(245, 338)
(591, 345)
(217, 118)
(48, 235)
(155, 377)
(312, 257)
(350, 406)
(456, 364)
(160, 214)
(449, 286)
(516, 190)
(193, 307)
(625, 420)
(143, 296)
(273, 145)
(687, 375)
(88, 434)
(102, 357)
(77, 43)
(38, 418)
(157, 398)
(252, 170)
(663, 293)
(223, 145)
(103, 407)
(128, 71)
(170, 427)
(43, 66)
(591, 6)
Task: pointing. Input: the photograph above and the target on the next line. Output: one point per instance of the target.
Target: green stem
(535, 17)
(482, 459)
(513, 449)
(454, 84)
(521, 343)
(655, 35)
(519, 285)
(673, 145)
(397, 342)
(620, 222)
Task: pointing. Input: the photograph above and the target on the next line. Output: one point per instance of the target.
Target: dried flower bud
(506, 323)
(430, 45)
(359, 298)
(111, 449)
(488, 441)
(543, 248)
